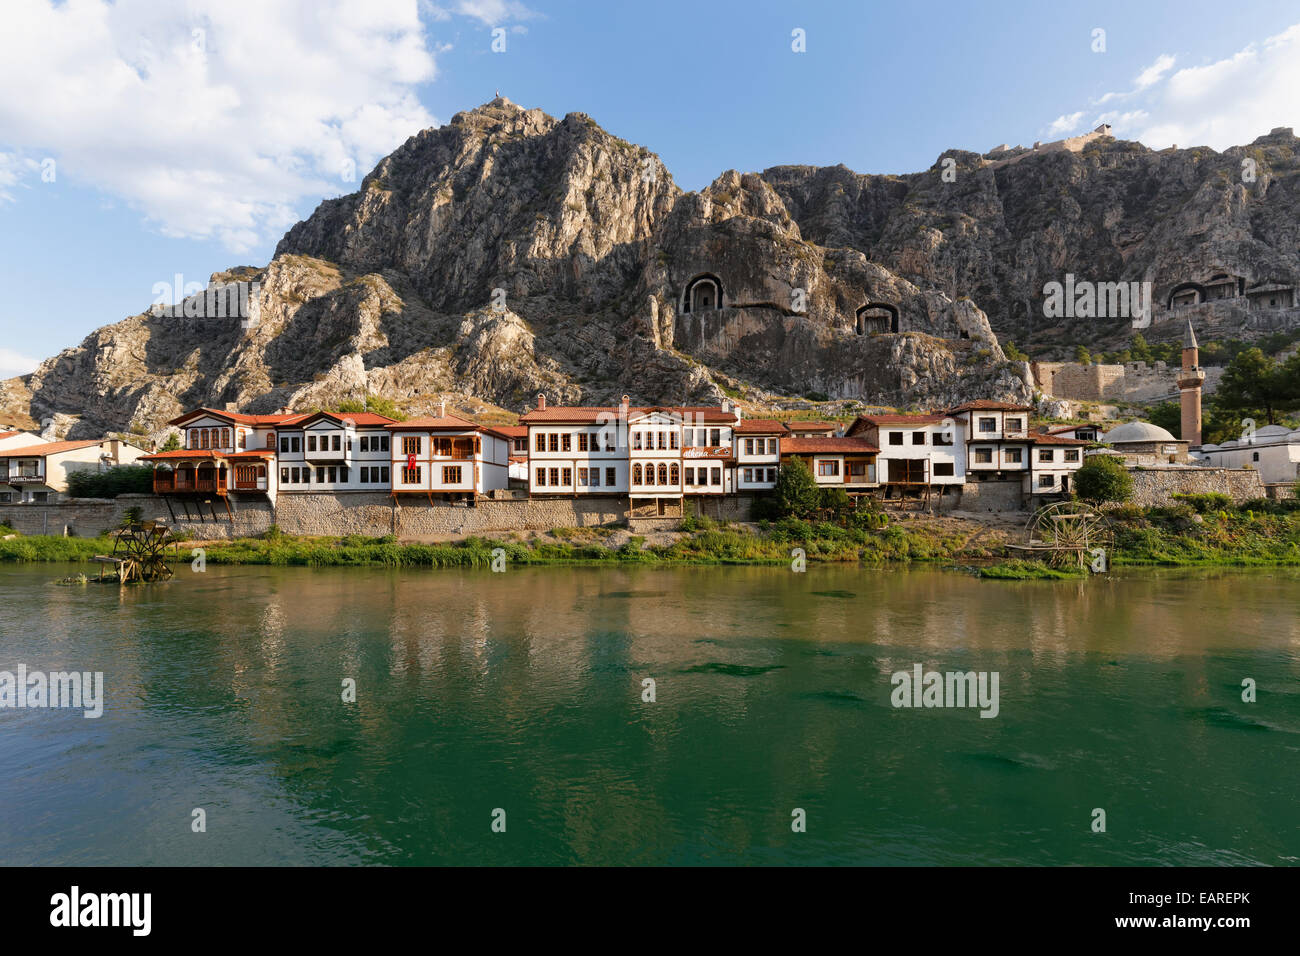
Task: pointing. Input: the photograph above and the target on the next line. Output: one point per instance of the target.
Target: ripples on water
(523, 691)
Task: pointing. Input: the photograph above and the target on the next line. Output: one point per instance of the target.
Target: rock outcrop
(509, 252)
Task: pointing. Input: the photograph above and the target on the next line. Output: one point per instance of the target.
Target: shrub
(1103, 479)
(796, 493)
(120, 480)
(1205, 503)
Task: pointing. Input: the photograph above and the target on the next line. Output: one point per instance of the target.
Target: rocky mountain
(509, 252)
(1000, 226)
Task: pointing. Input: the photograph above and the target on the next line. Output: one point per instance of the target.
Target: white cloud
(1065, 124)
(213, 117)
(12, 363)
(490, 12)
(1152, 74)
(1227, 102)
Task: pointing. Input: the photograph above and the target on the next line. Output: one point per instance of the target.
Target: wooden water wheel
(140, 552)
(1069, 532)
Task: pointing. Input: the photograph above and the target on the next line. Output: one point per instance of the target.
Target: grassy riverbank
(1194, 534)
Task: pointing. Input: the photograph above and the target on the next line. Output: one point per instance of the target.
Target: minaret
(1190, 380)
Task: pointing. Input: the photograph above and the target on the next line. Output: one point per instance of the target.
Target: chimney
(622, 406)
(541, 401)
(442, 409)
(726, 405)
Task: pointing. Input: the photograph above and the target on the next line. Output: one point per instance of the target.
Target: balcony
(169, 482)
(24, 478)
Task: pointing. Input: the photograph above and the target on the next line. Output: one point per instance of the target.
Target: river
(516, 702)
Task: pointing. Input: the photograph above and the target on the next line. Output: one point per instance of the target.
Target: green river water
(523, 692)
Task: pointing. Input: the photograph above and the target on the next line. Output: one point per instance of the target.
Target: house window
(344, 474)
(541, 477)
(715, 436)
(918, 438)
(663, 474)
(1072, 454)
(1047, 481)
(858, 469)
(1255, 457)
(749, 450)
(984, 456)
(690, 476)
(555, 477)
(672, 440)
(1013, 456)
(336, 444)
(334, 474)
(365, 476)
(649, 474)
(688, 437)
(896, 438)
(941, 438)
(410, 446)
(988, 424)
(582, 441)
(715, 474)
(829, 467)
(771, 474)
(383, 474)
(1046, 454)
(1013, 424)
(611, 477)
(674, 476)
(541, 442)
(284, 476)
(595, 478)
(582, 477)
(284, 446)
(311, 442)
(297, 444)
(636, 441)
(411, 476)
(555, 441)
(451, 474)
(636, 474)
(943, 469)
(566, 442)
(747, 475)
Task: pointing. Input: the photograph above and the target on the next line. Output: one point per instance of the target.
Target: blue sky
(186, 138)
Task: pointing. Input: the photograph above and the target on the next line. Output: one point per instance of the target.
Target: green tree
(1253, 385)
(796, 493)
(1013, 353)
(1140, 349)
(1103, 478)
(173, 442)
(1168, 415)
(1082, 355)
(374, 404)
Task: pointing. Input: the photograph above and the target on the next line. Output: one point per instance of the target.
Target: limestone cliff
(510, 252)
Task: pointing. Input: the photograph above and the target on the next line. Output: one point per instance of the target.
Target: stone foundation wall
(1154, 487)
(992, 496)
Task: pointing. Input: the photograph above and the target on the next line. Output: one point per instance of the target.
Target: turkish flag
(410, 461)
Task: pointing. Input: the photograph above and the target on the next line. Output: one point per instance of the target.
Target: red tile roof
(1041, 439)
(598, 414)
(207, 453)
(800, 446)
(891, 418)
(761, 426)
(989, 405)
(240, 418)
(357, 418)
(435, 423)
(513, 431)
(48, 448)
(812, 426)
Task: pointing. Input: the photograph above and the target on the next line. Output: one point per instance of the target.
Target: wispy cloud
(213, 117)
(1227, 102)
(13, 363)
(1065, 124)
